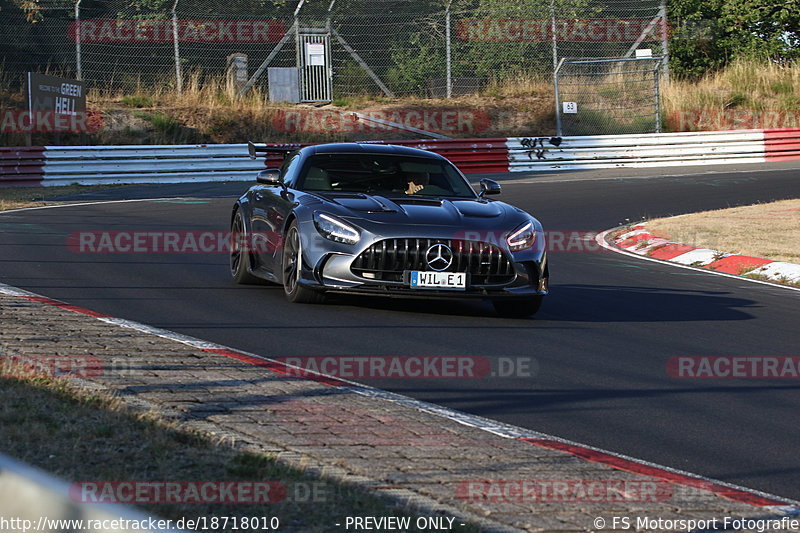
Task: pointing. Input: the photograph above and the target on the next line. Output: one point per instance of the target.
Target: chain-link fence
(426, 48)
(608, 96)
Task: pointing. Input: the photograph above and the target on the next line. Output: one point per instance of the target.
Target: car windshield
(385, 174)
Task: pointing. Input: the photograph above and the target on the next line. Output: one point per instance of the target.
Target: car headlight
(334, 229)
(522, 237)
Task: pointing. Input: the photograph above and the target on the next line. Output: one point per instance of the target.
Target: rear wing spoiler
(255, 149)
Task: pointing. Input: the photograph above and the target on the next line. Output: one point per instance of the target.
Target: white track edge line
(97, 202)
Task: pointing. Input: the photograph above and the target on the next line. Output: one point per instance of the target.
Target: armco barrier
(64, 165)
(470, 155)
(653, 150)
(21, 166)
(782, 145)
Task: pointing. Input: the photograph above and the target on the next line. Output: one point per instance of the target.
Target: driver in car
(416, 181)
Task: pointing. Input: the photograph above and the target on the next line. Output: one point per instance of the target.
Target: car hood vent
(361, 202)
(418, 201)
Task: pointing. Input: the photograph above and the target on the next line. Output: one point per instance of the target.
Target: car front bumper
(333, 273)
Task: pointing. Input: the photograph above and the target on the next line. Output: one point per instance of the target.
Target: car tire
(239, 258)
(291, 264)
(518, 307)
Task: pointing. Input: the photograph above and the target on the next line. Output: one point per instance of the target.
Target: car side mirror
(489, 187)
(271, 176)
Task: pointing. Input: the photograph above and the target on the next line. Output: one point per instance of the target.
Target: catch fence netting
(396, 47)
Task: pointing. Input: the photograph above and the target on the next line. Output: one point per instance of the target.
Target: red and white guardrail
(65, 165)
(653, 150)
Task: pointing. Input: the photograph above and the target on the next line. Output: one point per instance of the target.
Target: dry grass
(209, 92)
(7, 205)
(748, 94)
(83, 436)
(520, 86)
(18, 198)
(208, 110)
(769, 231)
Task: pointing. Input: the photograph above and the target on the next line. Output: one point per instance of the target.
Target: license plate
(438, 280)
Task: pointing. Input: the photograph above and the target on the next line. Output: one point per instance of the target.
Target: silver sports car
(385, 220)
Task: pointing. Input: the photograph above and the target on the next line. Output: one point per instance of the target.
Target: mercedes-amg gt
(385, 220)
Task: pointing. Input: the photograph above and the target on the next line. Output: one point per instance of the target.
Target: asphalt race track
(599, 345)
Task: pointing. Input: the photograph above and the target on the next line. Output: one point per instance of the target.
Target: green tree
(708, 34)
(765, 26)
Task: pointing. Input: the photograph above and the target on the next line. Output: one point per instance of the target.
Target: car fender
(243, 205)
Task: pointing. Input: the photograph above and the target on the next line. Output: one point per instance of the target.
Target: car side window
(288, 168)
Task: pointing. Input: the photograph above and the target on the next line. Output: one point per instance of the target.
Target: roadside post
(237, 72)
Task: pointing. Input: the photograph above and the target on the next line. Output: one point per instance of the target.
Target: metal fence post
(559, 130)
(553, 39)
(664, 42)
(556, 64)
(78, 63)
(128, 47)
(298, 48)
(178, 73)
(329, 50)
(658, 98)
(448, 50)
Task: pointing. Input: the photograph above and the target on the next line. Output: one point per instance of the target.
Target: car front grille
(386, 260)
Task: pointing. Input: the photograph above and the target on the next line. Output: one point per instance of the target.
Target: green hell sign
(55, 105)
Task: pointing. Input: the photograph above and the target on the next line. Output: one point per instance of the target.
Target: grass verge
(769, 231)
(18, 198)
(80, 436)
(749, 93)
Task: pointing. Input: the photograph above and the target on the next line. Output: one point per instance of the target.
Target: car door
(271, 207)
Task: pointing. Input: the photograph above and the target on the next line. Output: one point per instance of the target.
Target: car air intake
(386, 260)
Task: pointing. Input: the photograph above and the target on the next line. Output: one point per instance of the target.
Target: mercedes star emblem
(439, 257)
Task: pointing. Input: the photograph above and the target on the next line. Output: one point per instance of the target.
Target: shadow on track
(614, 303)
